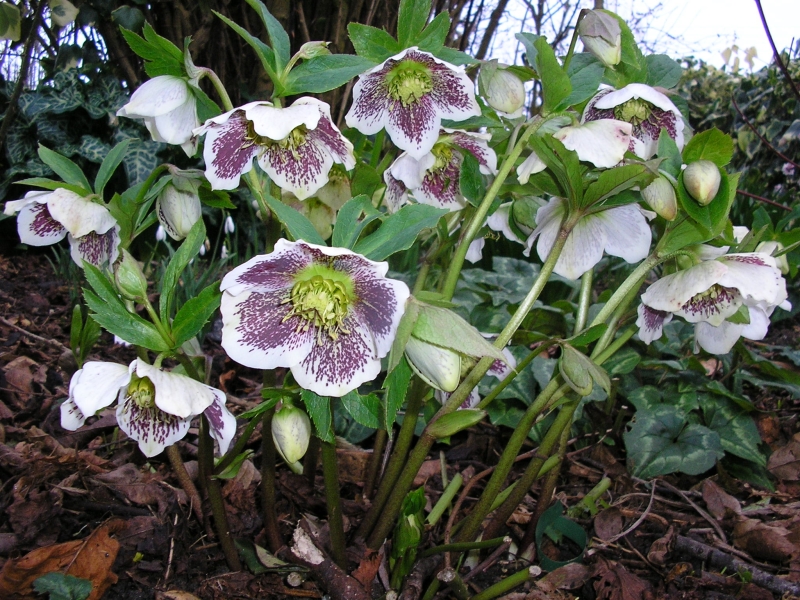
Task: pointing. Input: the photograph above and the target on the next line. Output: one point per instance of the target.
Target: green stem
(159, 324)
(148, 183)
(268, 482)
(444, 500)
(422, 275)
(374, 465)
(573, 42)
(465, 547)
(584, 301)
(507, 584)
(634, 281)
(478, 218)
(330, 471)
(511, 376)
(221, 91)
(238, 448)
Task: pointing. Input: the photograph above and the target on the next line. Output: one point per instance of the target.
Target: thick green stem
(238, 448)
(574, 40)
(374, 465)
(634, 281)
(274, 540)
(206, 458)
(482, 545)
(511, 376)
(182, 475)
(330, 471)
(584, 301)
(505, 585)
(221, 91)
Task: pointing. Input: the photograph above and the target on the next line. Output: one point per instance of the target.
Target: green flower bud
(312, 49)
(505, 92)
(771, 248)
(291, 432)
(178, 208)
(702, 180)
(130, 280)
(660, 196)
(454, 422)
(437, 366)
(601, 34)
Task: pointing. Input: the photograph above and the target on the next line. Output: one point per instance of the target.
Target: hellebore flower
(601, 34)
(645, 108)
(291, 433)
(711, 292)
(620, 231)
(434, 178)
(169, 109)
(178, 209)
(296, 146)
(154, 407)
(409, 94)
(48, 217)
(505, 93)
(328, 314)
(602, 143)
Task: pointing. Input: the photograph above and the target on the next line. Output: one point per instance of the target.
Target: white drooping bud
(229, 226)
(601, 34)
(291, 432)
(660, 196)
(178, 210)
(161, 234)
(702, 180)
(505, 92)
(437, 366)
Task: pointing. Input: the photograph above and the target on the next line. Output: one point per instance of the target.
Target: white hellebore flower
(619, 231)
(169, 109)
(48, 217)
(154, 407)
(645, 108)
(710, 292)
(328, 314)
(409, 94)
(296, 146)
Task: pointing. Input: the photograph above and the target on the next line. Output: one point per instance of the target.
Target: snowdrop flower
(296, 146)
(48, 217)
(169, 109)
(328, 314)
(154, 407)
(620, 231)
(645, 108)
(409, 95)
(434, 178)
(161, 234)
(712, 291)
(229, 226)
(602, 143)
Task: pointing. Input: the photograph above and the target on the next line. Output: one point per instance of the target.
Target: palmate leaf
(323, 73)
(399, 231)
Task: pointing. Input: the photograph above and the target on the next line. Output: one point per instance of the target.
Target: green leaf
(110, 312)
(10, 24)
(399, 231)
(128, 17)
(264, 52)
(624, 361)
(366, 410)
(443, 327)
(711, 145)
(588, 336)
(564, 165)
(215, 198)
(435, 34)
(411, 19)
(528, 40)
(65, 168)
(556, 86)
(50, 184)
(714, 215)
(366, 180)
(660, 442)
(632, 67)
(683, 234)
(109, 165)
(232, 470)
(192, 316)
(454, 422)
(169, 284)
(613, 181)
(277, 34)
(556, 526)
(668, 150)
(737, 430)
(585, 74)
(372, 43)
(471, 180)
(662, 71)
(455, 57)
(396, 386)
(350, 223)
(161, 56)
(296, 224)
(63, 587)
(319, 409)
(323, 73)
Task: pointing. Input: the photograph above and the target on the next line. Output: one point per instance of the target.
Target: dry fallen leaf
(660, 549)
(568, 577)
(720, 503)
(784, 463)
(616, 583)
(762, 541)
(90, 558)
(175, 595)
(368, 568)
(608, 523)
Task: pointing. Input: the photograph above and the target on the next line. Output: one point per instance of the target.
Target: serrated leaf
(350, 223)
(109, 165)
(277, 34)
(265, 53)
(323, 73)
(563, 164)
(686, 233)
(366, 410)
(435, 34)
(711, 145)
(556, 86)
(296, 224)
(399, 231)
(613, 181)
(169, 283)
(585, 74)
(372, 43)
(65, 168)
(412, 16)
(528, 41)
(192, 316)
(668, 150)
(319, 409)
(63, 587)
(714, 215)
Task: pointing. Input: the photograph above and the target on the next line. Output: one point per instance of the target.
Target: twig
(490, 560)
(775, 52)
(720, 560)
(694, 505)
(762, 199)
(171, 548)
(38, 338)
(424, 568)
(761, 137)
(640, 520)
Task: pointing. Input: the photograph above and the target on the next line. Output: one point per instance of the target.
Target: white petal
(583, 249)
(222, 422)
(97, 385)
(176, 394)
(670, 293)
(530, 166)
(78, 214)
(548, 224)
(755, 275)
(277, 123)
(498, 221)
(176, 126)
(158, 96)
(71, 416)
(154, 429)
(12, 207)
(411, 171)
(717, 340)
(627, 233)
(97, 249)
(758, 326)
(637, 90)
(651, 323)
(475, 250)
(602, 143)
(37, 227)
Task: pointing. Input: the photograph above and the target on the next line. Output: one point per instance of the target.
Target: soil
(93, 489)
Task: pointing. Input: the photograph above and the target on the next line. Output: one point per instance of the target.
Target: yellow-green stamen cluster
(321, 298)
(444, 156)
(142, 392)
(633, 111)
(408, 82)
(291, 142)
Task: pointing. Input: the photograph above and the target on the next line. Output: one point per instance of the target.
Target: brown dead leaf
(608, 523)
(428, 469)
(616, 583)
(784, 463)
(368, 568)
(19, 374)
(352, 464)
(769, 427)
(175, 595)
(34, 511)
(660, 549)
(140, 488)
(90, 558)
(568, 577)
(720, 503)
(762, 541)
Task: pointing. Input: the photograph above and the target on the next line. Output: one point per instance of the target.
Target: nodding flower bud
(291, 432)
(312, 49)
(437, 366)
(771, 248)
(660, 196)
(702, 180)
(601, 34)
(505, 92)
(131, 282)
(178, 210)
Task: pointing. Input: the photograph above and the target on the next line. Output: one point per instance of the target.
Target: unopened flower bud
(771, 248)
(178, 211)
(702, 180)
(601, 34)
(291, 432)
(660, 196)
(131, 282)
(229, 226)
(437, 366)
(161, 234)
(505, 92)
(312, 49)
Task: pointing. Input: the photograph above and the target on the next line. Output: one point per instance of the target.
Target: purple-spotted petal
(440, 187)
(96, 249)
(477, 144)
(651, 323)
(221, 422)
(151, 427)
(396, 194)
(501, 369)
(268, 272)
(713, 306)
(97, 384)
(36, 226)
(670, 293)
(471, 402)
(176, 394)
(227, 153)
(755, 275)
(71, 416)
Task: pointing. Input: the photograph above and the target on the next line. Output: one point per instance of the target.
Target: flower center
(634, 111)
(291, 142)
(710, 302)
(408, 82)
(444, 156)
(321, 297)
(142, 392)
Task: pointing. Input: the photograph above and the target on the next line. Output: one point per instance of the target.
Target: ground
(89, 503)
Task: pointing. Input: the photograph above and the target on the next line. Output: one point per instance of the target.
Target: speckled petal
(268, 272)
(78, 214)
(755, 275)
(222, 423)
(176, 394)
(477, 144)
(152, 428)
(651, 323)
(670, 293)
(440, 187)
(37, 227)
(96, 249)
(97, 384)
(713, 309)
(71, 416)
(227, 153)
(396, 194)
